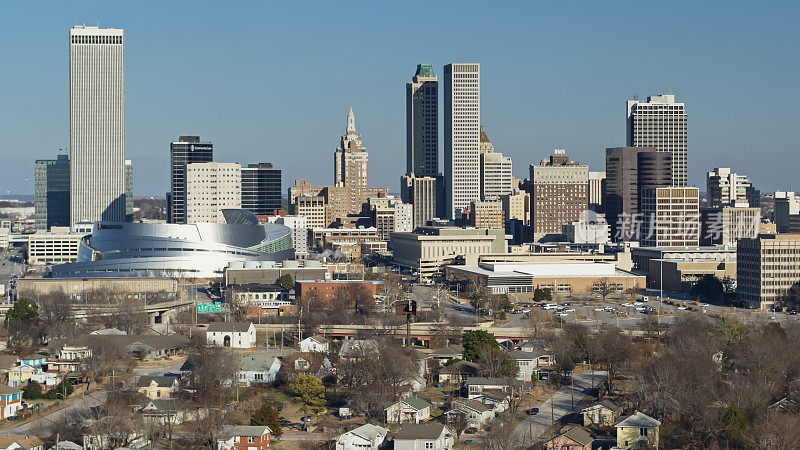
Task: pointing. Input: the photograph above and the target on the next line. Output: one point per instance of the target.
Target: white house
(424, 437)
(365, 437)
(258, 369)
(529, 363)
(412, 409)
(231, 334)
(476, 386)
(314, 343)
(476, 413)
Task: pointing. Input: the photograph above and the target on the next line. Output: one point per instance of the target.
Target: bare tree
(612, 349)
(537, 320)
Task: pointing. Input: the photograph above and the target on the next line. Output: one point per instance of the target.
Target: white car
(599, 309)
(563, 314)
(638, 303)
(569, 310)
(682, 308)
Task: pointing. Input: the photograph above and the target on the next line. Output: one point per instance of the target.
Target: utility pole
(572, 391)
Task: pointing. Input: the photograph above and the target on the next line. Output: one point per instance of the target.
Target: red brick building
(330, 291)
(241, 437)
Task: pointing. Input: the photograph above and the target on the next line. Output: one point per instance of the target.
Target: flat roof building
(767, 267)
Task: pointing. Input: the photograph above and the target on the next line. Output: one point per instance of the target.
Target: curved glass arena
(199, 250)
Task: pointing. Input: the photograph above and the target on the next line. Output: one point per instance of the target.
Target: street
(79, 405)
(561, 403)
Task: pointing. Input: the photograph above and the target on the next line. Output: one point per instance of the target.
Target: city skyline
(524, 109)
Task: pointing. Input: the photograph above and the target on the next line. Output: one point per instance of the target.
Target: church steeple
(351, 122)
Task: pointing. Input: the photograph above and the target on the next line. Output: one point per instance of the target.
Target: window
(429, 445)
(643, 432)
(250, 439)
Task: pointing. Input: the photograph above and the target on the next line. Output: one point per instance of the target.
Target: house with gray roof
(368, 436)
(476, 413)
(258, 369)
(234, 437)
(636, 431)
(424, 436)
(602, 413)
(155, 387)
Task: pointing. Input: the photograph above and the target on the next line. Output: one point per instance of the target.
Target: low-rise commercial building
(85, 289)
(329, 291)
(53, 248)
(429, 249)
(682, 274)
(560, 278)
(268, 272)
(642, 256)
(767, 267)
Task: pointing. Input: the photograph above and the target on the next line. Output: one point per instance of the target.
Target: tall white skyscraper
(462, 129)
(660, 123)
(96, 124)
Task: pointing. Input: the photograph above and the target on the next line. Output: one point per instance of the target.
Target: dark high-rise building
(186, 150)
(422, 123)
(628, 171)
(261, 188)
(51, 192)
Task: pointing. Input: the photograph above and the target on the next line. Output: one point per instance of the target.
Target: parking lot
(629, 313)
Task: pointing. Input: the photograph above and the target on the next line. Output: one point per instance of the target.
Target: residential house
(637, 431)
(447, 353)
(410, 410)
(571, 437)
(155, 387)
(7, 362)
(497, 400)
(20, 375)
(164, 410)
(34, 360)
(68, 359)
(258, 369)
(156, 347)
(528, 364)
(475, 386)
(476, 413)
(20, 442)
(315, 343)
(310, 363)
(533, 345)
(66, 445)
(423, 437)
(358, 349)
(241, 437)
(458, 372)
(231, 334)
(603, 413)
(365, 437)
(10, 401)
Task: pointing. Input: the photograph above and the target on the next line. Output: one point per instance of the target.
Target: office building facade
(660, 123)
(261, 188)
(559, 192)
(786, 214)
(597, 184)
(496, 178)
(767, 267)
(211, 188)
(422, 123)
(462, 118)
(726, 188)
(186, 150)
(670, 217)
(724, 225)
(96, 124)
(128, 190)
(51, 192)
(628, 171)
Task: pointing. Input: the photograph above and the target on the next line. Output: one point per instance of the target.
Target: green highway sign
(208, 307)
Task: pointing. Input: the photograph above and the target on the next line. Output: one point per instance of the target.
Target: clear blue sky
(271, 81)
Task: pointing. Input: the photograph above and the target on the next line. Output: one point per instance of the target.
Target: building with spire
(495, 170)
(351, 166)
